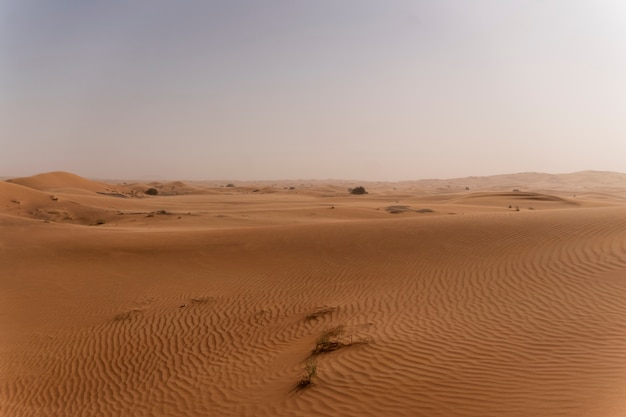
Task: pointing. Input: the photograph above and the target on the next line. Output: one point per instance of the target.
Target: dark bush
(358, 191)
(152, 191)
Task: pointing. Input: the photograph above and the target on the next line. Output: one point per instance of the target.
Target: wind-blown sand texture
(209, 300)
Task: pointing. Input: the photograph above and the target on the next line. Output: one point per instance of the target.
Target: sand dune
(533, 180)
(214, 304)
(60, 181)
(28, 203)
(516, 199)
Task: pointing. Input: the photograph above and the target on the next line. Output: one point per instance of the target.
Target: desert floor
(426, 298)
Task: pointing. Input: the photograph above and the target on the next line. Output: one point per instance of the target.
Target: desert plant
(310, 372)
(152, 191)
(311, 369)
(230, 185)
(328, 342)
(357, 190)
(127, 315)
(319, 313)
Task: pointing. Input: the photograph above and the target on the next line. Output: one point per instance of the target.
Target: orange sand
(208, 300)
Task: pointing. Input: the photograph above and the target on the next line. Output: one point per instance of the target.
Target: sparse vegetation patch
(358, 190)
(127, 315)
(319, 313)
(329, 341)
(310, 372)
(404, 209)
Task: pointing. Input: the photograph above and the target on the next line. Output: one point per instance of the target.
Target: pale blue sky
(354, 89)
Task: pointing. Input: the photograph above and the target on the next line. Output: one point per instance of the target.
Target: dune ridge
(489, 311)
(59, 180)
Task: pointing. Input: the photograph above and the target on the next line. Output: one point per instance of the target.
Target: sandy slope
(60, 180)
(211, 304)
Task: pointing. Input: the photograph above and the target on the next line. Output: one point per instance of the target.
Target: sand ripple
(511, 314)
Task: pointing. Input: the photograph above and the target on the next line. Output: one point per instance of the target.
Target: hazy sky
(353, 89)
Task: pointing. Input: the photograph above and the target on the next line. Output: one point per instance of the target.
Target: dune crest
(60, 180)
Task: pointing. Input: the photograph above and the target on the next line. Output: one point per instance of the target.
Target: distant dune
(59, 181)
(296, 298)
(535, 181)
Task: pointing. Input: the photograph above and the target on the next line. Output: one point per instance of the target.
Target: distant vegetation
(152, 191)
(357, 190)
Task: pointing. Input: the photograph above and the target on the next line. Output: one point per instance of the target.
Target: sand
(209, 300)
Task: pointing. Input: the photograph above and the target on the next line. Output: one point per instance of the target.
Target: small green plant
(328, 341)
(310, 372)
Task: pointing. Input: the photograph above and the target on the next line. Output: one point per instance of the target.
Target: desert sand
(295, 298)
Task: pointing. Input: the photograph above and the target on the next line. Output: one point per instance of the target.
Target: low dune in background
(430, 298)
